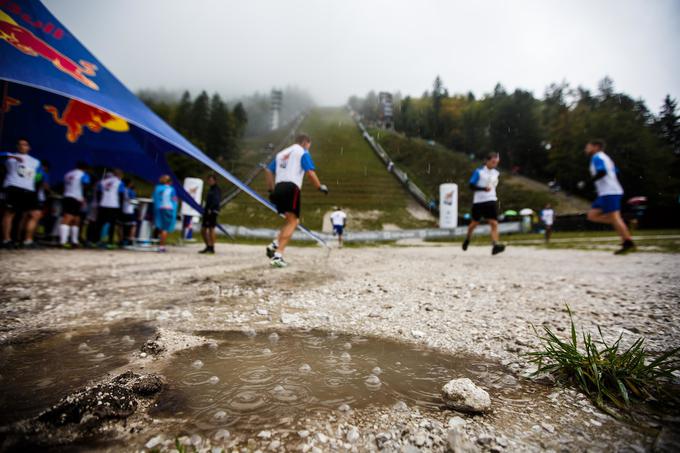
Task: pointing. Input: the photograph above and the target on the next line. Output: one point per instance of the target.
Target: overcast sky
(335, 48)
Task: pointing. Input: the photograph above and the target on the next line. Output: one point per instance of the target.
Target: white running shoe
(278, 261)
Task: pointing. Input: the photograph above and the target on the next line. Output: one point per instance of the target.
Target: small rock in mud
(463, 395)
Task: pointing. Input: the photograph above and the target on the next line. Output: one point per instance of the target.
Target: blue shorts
(338, 229)
(608, 203)
(165, 220)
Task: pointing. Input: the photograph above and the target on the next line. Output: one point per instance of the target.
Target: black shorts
(209, 219)
(108, 215)
(71, 206)
(127, 219)
(20, 200)
(487, 210)
(286, 198)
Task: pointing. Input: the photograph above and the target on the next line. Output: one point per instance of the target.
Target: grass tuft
(612, 376)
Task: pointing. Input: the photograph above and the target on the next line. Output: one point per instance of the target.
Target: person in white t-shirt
(339, 220)
(284, 182)
(76, 182)
(110, 198)
(485, 201)
(607, 206)
(23, 176)
(548, 218)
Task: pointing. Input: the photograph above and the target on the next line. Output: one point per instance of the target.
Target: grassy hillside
(357, 180)
(431, 165)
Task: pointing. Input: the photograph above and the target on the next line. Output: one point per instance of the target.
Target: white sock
(75, 232)
(277, 255)
(63, 234)
(275, 243)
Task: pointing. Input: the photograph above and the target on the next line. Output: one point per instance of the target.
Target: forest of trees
(206, 121)
(543, 138)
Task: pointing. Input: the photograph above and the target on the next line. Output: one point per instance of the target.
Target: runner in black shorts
(286, 198)
(284, 181)
(485, 202)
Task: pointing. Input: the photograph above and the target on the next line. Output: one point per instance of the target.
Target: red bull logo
(77, 116)
(28, 43)
(9, 103)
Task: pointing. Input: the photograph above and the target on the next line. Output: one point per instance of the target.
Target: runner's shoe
(497, 248)
(466, 243)
(271, 249)
(627, 247)
(278, 261)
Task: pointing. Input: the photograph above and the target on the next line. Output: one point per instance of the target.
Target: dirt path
(436, 296)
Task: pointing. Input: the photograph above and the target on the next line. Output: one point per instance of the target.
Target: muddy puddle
(37, 372)
(243, 382)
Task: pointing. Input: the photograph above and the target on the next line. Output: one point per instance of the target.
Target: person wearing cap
(165, 209)
(284, 182)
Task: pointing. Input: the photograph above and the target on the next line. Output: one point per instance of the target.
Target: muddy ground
(435, 295)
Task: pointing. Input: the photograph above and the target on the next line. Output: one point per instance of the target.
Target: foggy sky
(342, 47)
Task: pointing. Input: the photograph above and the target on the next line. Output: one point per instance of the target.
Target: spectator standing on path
(22, 179)
(75, 184)
(548, 218)
(284, 182)
(211, 210)
(165, 209)
(110, 197)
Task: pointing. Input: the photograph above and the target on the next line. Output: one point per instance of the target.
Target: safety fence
(375, 236)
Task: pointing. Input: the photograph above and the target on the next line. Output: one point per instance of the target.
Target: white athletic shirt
(338, 218)
(128, 207)
(291, 164)
(21, 174)
(484, 177)
(111, 186)
(74, 182)
(548, 216)
(608, 184)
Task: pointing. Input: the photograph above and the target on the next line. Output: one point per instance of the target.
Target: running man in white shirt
(23, 175)
(339, 220)
(75, 184)
(485, 202)
(607, 206)
(284, 182)
(548, 218)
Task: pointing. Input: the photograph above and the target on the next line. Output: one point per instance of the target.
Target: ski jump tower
(275, 109)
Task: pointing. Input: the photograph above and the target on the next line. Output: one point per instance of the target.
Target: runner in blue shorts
(607, 206)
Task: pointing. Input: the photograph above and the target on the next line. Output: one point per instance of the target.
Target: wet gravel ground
(432, 295)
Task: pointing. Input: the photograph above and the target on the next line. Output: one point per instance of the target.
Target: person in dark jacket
(211, 209)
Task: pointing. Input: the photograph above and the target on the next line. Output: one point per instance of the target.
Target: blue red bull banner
(56, 94)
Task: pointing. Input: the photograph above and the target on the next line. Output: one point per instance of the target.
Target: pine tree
(240, 117)
(200, 115)
(220, 142)
(182, 120)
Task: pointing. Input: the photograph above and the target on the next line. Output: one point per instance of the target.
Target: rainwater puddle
(253, 382)
(38, 372)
